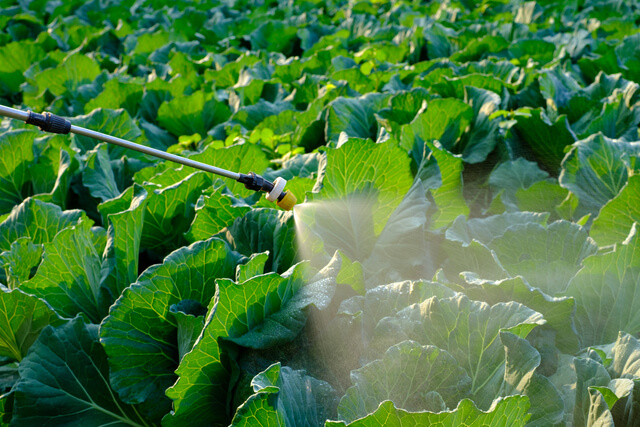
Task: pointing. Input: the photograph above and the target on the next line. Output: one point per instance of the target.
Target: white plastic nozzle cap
(278, 188)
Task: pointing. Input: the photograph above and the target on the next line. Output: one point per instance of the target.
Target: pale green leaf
(195, 113)
(596, 169)
(214, 212)
(448, 196)
(406, 374)
(543, 196)
(551, 256)
(511, 411)
(616, 218)
(444, 120)
(486, 229)
(20, 261)
(69, 276)
(557, 311)
(120, 259)
(35, 219)
(382, 177)
(606, 293)
(22, 318)
(521, 377)
(16, 155)
(77, 69)
(468, 330)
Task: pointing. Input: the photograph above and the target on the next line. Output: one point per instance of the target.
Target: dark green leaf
(98, 176)
(238, 157)
(285, 397)
(65, 377)
(515, 175)
(479, 48)
(51, 176)
(6, 408)
(274, 36)
(205, 373)
(189, 316)
(483, 136)
(547, 139)
(143, 354)
(454, 87)
(558, 87)
(262, 230)
(118, 94)
(354, 116)
(538, 50)
(170, 211)
(615, 119)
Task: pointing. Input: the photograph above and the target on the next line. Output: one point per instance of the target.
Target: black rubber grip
(255, 182)
(48, 122)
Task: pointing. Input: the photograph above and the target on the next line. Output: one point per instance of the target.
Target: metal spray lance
(48, 122)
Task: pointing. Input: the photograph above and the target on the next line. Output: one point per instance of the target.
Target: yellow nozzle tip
(288, 201)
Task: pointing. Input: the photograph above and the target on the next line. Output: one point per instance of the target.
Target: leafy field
(467, 250)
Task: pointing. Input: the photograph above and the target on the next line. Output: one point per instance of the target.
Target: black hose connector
(48, 122)
(255, 182)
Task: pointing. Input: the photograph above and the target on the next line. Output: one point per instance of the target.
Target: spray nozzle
(275, 190)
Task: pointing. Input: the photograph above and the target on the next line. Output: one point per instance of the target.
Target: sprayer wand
(48, 122)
